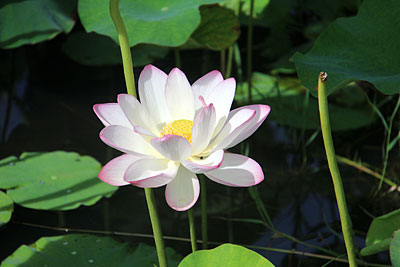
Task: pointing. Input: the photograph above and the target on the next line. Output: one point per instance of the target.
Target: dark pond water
(51, 109)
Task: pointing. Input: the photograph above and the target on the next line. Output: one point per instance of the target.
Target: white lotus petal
(152, 95)
(262, 112)
(136, 113)
(183, 191)
(234, 125)
(204, 164)
(151, 172)
(221, 97)
(179, 96)
(237, 170)
(203, 128)
(173, 147)
(204, 87)
(126, 140)
(113, 172)
(143, 131)
(111, 114)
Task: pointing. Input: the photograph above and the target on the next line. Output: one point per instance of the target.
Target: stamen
(179, 127)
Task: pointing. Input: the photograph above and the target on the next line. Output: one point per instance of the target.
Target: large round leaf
(98, 50)
(85, 250)
(160, 22)
(33, 21)
(225, 255)
(380, 233)
(258, 7)
(6, 208)
(382, 227)
(53, 181)
(287, 98)
(395, 249)
(364, 47)
(219, 28)
(376, 248)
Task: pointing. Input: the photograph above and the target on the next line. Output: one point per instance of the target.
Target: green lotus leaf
(380, 233)
(395, 249)
(376, 248)
(219, 28)
(382, 227)
(85, 250)
(53, 181)
(225, 255)
(258, 7)
(33, 21)
(97, 50)
(287, 98)
(159, 22)
(364, 47)
(6, 208)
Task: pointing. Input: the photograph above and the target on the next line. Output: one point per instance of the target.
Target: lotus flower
(177, 131)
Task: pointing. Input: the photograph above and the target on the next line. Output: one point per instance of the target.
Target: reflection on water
(311, 218)
(11, 115)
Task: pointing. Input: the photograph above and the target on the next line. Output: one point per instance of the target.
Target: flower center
(179, 127)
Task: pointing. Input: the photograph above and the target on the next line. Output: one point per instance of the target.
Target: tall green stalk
(333, 167)
(231, 48)
(130, 86)
(229, 214)
(222, 60)
(177, 55)
(61, 218)
(155, 224)
(192, 228)
(125, 48)
(250, 50)
(238, 62)
(228, 71)
(203, 197)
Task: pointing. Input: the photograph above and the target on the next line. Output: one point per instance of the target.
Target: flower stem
(231, 48)
(130, 87)
(125, 49)
(238, 62)
(228, 71)
(203, 196)
(333, 167)
(155, 224)
(229, 214)
(192, 228)
(177, 55)
(61, 218)
(249, 49)
(222, 59)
